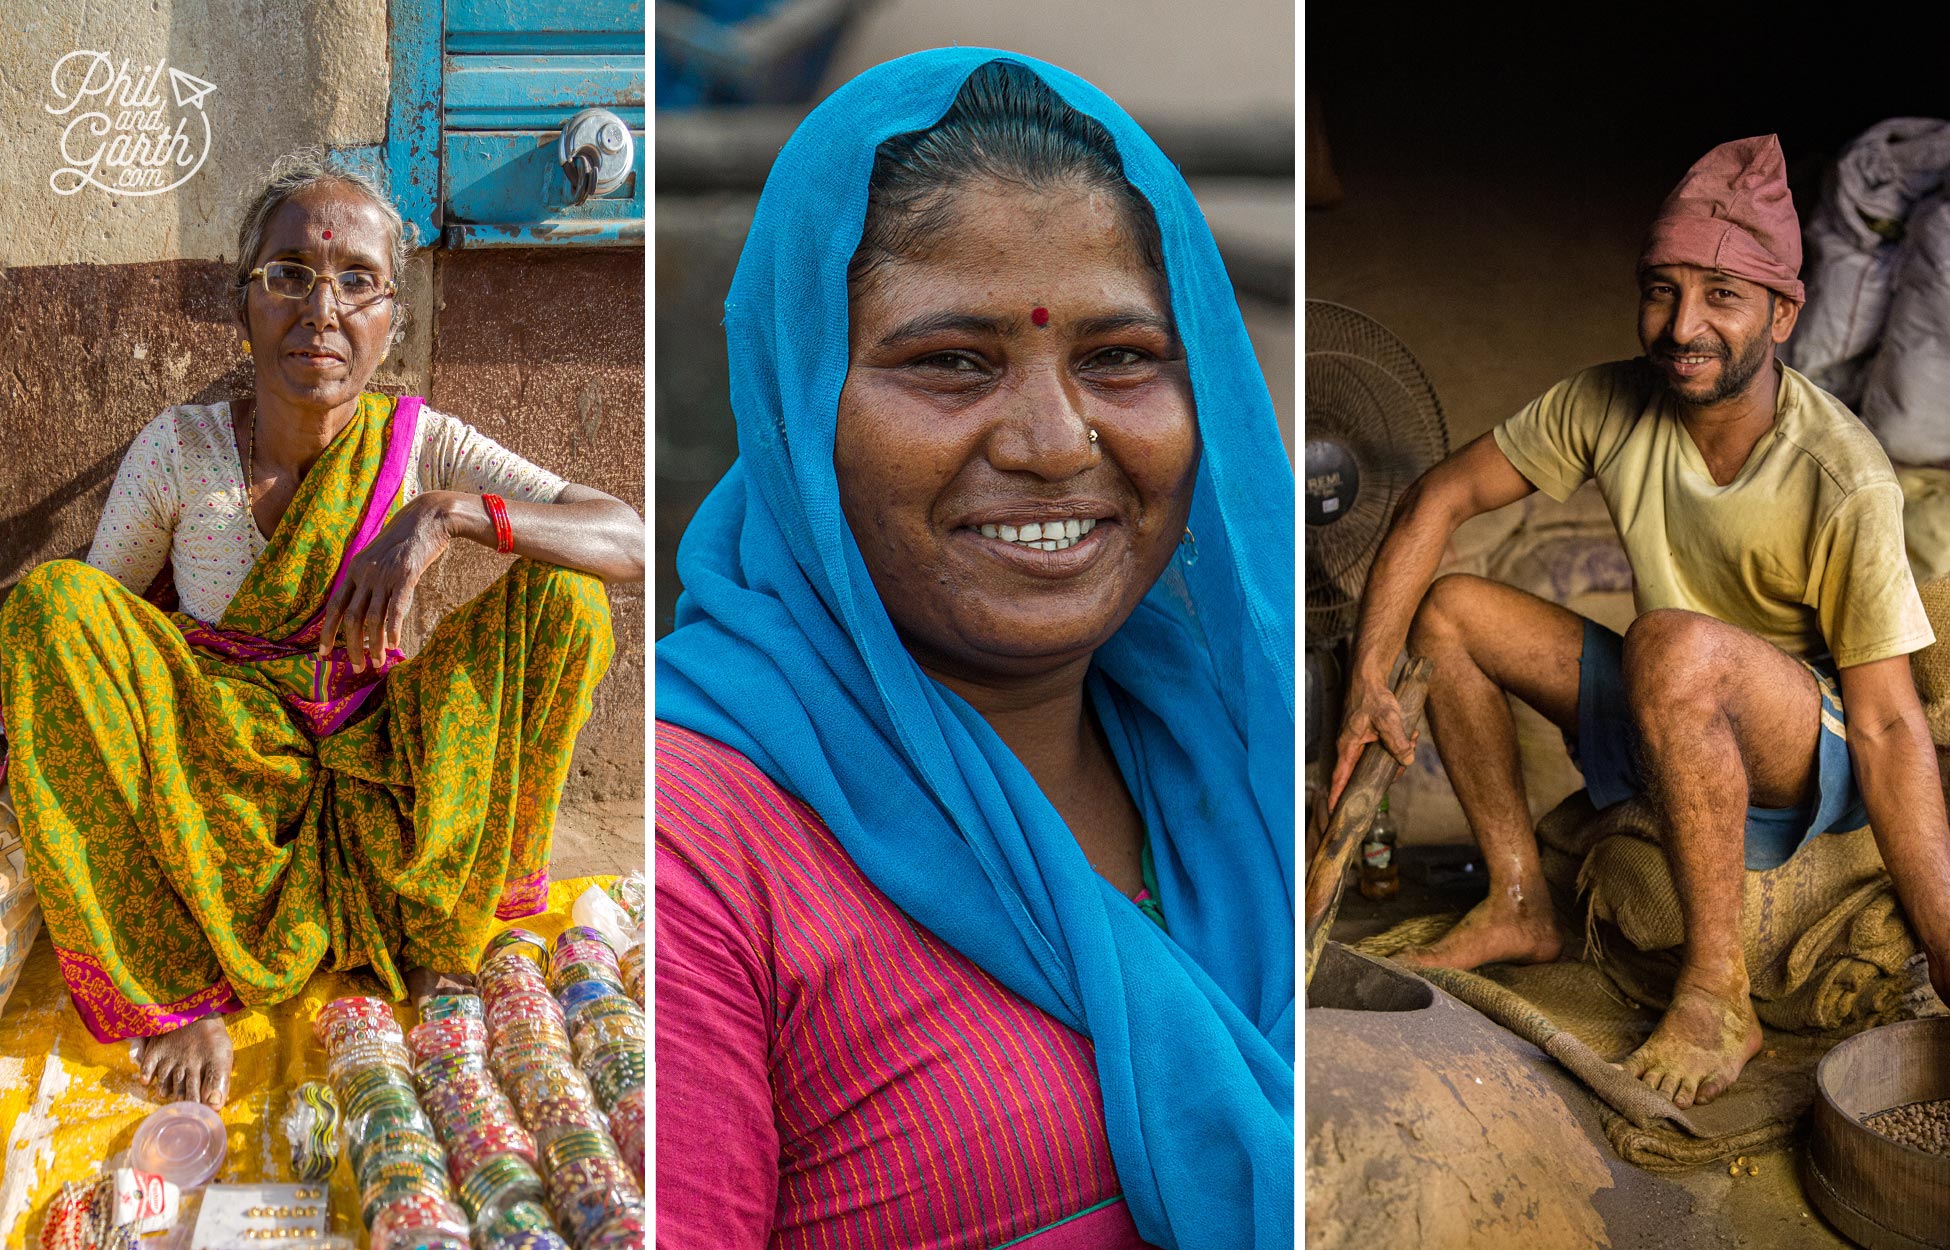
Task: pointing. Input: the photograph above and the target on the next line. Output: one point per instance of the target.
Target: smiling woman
(225, 769)
(975, 792)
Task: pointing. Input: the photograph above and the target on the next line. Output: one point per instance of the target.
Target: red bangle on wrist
(504, 534)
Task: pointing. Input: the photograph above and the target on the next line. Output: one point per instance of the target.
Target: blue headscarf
(783, 651)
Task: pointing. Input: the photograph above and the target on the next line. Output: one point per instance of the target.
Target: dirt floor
(594, 837)
(1765, 1211)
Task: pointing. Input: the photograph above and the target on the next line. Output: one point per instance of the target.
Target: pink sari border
(524, 898)
(392, 475)
(113, 1018)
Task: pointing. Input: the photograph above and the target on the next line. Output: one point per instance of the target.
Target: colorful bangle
(504, 534)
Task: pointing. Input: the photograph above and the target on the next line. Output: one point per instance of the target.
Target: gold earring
(247, 347)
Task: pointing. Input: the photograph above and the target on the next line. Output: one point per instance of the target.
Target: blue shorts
(1603, 752)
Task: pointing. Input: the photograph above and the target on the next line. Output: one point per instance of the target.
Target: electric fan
(1373, 425)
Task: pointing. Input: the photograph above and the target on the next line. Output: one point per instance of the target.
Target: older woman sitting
(975, 777)
(225, 770)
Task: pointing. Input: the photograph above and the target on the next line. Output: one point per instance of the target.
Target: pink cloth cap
(1732, 212)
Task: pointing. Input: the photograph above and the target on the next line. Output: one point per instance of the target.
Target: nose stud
(1093, 433)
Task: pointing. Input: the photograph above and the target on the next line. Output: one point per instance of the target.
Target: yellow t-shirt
(1803, 548)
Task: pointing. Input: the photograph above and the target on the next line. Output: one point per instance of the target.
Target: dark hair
(1005, 125)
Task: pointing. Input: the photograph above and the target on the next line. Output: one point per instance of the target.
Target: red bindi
(1039, 315)
(328, 234)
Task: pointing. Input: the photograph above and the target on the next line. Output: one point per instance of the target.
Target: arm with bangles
(583, 529)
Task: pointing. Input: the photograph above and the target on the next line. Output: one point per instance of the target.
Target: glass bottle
(1380, 875)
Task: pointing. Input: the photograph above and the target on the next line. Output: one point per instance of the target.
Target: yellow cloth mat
(69, 1103)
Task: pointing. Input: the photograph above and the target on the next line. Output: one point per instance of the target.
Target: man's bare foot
(1700, 1047)
(191, 1063)
(1498, 930)
(424, 983)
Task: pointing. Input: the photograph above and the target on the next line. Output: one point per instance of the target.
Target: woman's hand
(368, 611)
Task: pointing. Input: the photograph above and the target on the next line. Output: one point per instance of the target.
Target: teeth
(1041, 535)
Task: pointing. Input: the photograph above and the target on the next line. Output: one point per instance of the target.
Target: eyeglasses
(355, 288)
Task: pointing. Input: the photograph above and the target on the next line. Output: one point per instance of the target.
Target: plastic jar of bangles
(454, 1035)
(371, 1054)
(585, 1193)
(524, 943)
(581, 944)
(578, 998)
(613, 1071)
(352, 1011)
(615, 1006)
(500, 1181)
(630, 964)
(529, 1088)
(551, 1117)
(622, 1229)
(627, 1124)
(471, 1148)
(514, 1030)
(525, 1239)
(419, 1222)
(509, 969)
(451, 1007)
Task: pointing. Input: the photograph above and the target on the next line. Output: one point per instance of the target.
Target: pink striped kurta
(829, 1074)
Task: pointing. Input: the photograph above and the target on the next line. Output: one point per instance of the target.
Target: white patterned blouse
(180, 495)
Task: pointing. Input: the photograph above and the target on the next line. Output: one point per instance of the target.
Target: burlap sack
(1930, 667)
(1828, 954)
(1826, 945)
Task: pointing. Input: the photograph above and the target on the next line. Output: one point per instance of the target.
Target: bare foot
(1700, 1047)
(191, 1063)
(1498, 930)
(424, 983)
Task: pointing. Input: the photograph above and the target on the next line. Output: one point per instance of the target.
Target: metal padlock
(596, 153)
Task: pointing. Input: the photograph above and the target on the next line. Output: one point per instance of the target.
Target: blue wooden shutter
(480, 91)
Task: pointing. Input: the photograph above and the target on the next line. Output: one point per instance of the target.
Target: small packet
(142, 1200)
(311, 1129)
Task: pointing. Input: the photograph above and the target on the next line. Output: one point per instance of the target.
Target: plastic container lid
(183, 1142)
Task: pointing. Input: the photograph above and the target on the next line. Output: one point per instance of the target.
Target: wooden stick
(1373, 773)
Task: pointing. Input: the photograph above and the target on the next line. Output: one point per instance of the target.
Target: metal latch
(596, 153)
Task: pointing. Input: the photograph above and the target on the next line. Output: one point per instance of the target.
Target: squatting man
(1763, 524)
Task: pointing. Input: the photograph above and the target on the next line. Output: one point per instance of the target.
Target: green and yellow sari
(210, 812)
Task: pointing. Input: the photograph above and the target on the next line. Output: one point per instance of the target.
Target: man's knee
(1454, 601)
(1676, 664)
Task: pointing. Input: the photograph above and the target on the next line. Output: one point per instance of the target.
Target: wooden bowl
(1880, 1193)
